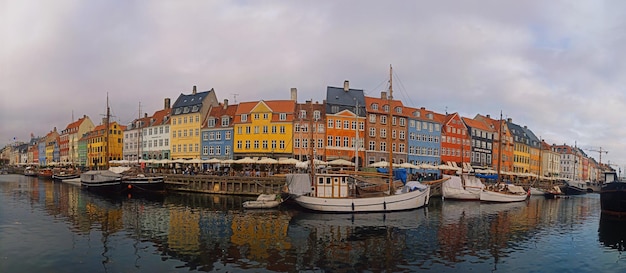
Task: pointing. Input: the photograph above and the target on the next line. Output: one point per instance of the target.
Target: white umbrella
(407, 165)
(427, 166)
(228, 161)
(246, 160)
(341, 162)
(194, 161)
(289, 161)
(212, 161)
(448, 167)
(267, 160)
(379, 164)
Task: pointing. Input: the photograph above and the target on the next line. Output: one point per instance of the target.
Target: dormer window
(210, 122)
(283, 116)
(374, 106)
(244, 117)
(195, 108)
(186, 110)
(398, 109)
(386, 108)
(177, 111)
(225, 121)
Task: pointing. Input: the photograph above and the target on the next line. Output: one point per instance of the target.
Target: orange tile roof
(477, 124)
(159, 115)
(382, 102)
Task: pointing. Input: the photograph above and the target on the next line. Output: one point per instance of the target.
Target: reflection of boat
(503, 193)
(613, 196)
(464, 187)
(612, 232)
(264, 201)
(400, 220)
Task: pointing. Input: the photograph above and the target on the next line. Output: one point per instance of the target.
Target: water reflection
(213, 233)
(612, 232)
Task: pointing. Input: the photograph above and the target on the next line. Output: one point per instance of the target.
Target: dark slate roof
(534, 140)
(519, 134)
(189, 103)
(336, 96)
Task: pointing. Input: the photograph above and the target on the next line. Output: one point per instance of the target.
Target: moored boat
(141, 183)
(101, 180)
(264, 201)
(613, 196)
(45, 173)
(553, 193)
(576, 188)
(67, 174)
(30, 171)
(464, 187)
(504, 193)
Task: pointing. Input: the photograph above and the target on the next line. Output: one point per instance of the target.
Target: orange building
(507, 144)
(455, 141)
(378, 128)
(309, 116)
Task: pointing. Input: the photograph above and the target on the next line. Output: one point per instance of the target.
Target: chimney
(383, 95)
(488, 116)
(193, 92)
(346, 85)
(145, 115)
(423, 108)
(294, 94)
(509, 120)
(225, 104)
(166, 103)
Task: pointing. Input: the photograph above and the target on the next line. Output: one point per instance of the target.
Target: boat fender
(130, 186)
(352, 206)
(385, 205)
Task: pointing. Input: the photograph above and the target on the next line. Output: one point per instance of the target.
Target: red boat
(45, 173)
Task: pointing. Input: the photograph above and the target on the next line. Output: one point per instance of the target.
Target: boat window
(320, 180)
(328, 180)
(336, 180)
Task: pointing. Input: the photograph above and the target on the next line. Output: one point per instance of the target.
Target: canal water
(48, 226)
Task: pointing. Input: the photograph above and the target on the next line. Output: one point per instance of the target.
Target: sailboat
(463, 187)
(502, 192)
(133, 179)
(339, 192)
(103, 180)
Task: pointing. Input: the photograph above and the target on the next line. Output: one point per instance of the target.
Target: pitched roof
(382, 102)
(161, 117)
(477, 124)
(189, 103)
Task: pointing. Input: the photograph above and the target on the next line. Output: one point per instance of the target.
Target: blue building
(424, 139)
(217, 132)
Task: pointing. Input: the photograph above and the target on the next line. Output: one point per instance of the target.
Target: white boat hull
(398, 202)
(256, 204)
(492, 196)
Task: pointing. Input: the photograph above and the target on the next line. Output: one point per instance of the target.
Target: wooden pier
(235, 185)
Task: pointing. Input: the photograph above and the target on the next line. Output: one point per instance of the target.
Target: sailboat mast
(356, 138)
(499, 148)
(389, 98)
(139, 135)
(106, 148)
(312, 141)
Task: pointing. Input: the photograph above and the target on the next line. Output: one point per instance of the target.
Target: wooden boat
(537, 191)
(66, 174)
(45, 173)
(264, 201)
(613, 196)
(555, 192)
(464, 187)
(503, 193)
(30, 171)
(141, 183)
(101, 180)
(576, 188)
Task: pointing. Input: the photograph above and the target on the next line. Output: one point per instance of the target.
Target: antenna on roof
(235, 98)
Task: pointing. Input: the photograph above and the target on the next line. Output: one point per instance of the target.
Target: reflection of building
(261, 234)
(184, 231)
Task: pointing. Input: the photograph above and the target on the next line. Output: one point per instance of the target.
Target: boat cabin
(331, 185)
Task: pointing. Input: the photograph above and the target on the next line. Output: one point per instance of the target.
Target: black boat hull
(613, 199)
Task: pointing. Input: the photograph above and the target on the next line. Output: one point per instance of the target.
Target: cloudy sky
(558, 67)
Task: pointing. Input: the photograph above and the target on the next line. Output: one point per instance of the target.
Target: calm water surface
(56, 227)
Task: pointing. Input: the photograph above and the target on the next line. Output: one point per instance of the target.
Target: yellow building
(97, 151)
(188, 113)
(264, 128)
(521, 151)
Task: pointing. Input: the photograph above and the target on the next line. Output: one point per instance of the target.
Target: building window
(225, 121)
(244, 117)
(282, 116)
